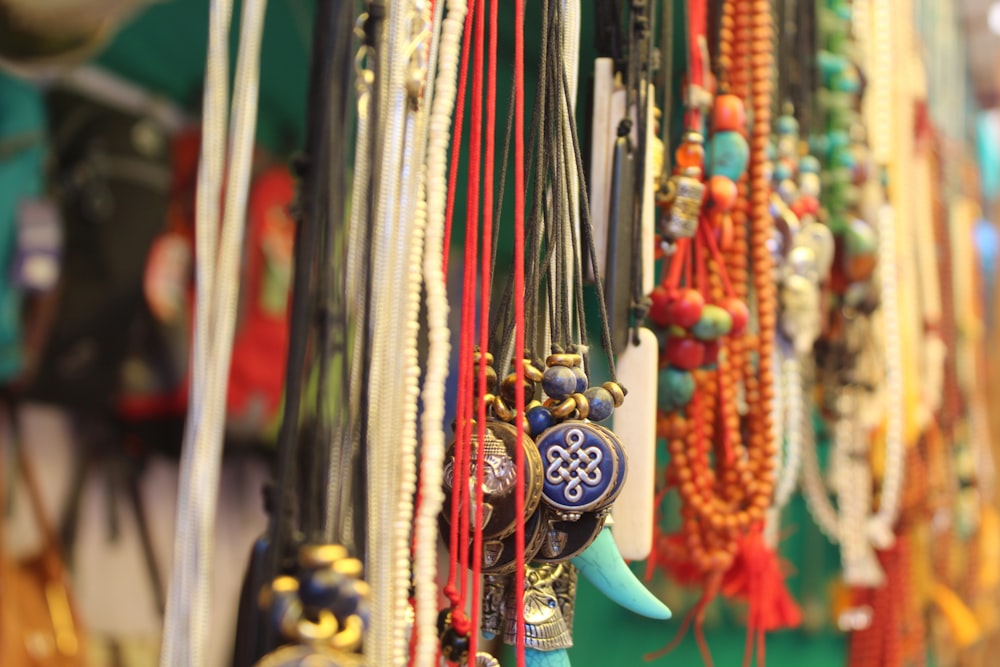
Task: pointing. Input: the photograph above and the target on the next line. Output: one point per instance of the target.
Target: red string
(456, 146)
(464, 408)
(484, 300)
(519, 318)
(699, 253)
(719, 261)
(697, 28)
(677, 264)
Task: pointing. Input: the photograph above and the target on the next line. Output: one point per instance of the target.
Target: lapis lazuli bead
(602, 405)
(582, 382)
(559, 382)
(539, 419)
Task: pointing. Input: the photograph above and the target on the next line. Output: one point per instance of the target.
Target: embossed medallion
(499, 478)
(581, 468)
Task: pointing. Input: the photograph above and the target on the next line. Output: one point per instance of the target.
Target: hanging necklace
(217, 258)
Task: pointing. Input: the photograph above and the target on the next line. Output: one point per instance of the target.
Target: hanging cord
(519, 492)
(188, 606)
(484, 303)
(333, 443)
(390, 449)
(433, 443)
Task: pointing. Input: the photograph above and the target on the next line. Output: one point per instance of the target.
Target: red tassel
(697, 617)
(756, 577)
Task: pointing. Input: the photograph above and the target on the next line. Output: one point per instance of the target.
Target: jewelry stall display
(766, 272)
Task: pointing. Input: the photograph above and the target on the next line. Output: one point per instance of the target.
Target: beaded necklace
(717, 384)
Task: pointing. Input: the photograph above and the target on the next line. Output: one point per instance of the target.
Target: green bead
(675, 387)
(727, 155)
(715, 322)
(860, 239)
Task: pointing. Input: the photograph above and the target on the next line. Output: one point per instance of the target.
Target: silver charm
(686, 208)
(549, 594)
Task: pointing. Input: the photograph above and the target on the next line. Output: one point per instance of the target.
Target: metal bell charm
(689, 194)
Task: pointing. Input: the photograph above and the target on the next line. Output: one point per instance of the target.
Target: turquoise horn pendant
(604, 567)
(557, 658)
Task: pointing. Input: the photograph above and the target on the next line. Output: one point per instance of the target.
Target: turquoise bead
(809, 165)
(727, 155)
(675, 387)
(830, 64)
(715, 322)
(818, 145)
(847, 81)
(788, 125)
(843, 158)
(783, 170)
(838, 139)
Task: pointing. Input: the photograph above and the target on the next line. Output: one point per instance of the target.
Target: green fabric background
(164, 50)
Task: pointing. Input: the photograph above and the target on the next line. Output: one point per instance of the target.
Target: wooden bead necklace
(716, 392)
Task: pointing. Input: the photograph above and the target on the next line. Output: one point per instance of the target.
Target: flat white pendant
(635, 425)
(601, 160)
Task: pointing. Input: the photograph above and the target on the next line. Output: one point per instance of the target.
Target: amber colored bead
(689, 154)
(729, 114)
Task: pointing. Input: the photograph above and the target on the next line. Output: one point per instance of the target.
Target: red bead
(659, 311)
(711, 352)
(722, 193)
(684, 309)
(740, 314)
(729, 114)
(685, 353)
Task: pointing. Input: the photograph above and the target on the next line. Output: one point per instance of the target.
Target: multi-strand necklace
(717, 381)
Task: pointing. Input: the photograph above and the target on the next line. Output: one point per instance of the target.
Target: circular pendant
(581, 468)
(616, 443)
(500, 555)
(563, 540)
(499, 478)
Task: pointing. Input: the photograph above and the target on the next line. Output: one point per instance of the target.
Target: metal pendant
(563, 540)
(499, 478)
(500, 556)
(584, 468)
(549, 595)
(683, 220)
